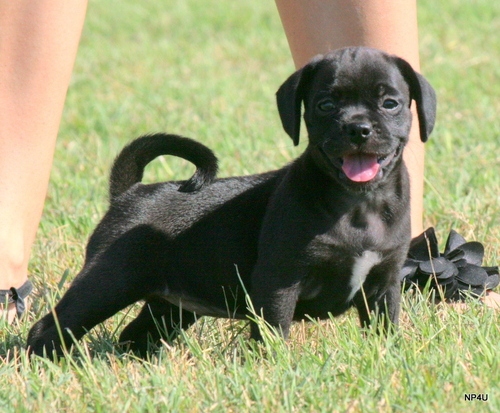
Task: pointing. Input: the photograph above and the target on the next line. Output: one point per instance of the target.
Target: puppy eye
(390, 104)
(326, 105)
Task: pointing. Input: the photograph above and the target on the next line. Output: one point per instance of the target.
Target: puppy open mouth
(363, 167)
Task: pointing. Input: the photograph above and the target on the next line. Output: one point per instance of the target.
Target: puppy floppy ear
(289, 98)
(424, 96)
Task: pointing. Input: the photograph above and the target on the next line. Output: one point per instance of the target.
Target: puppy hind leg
(157, 320)
(126, 271)
(97, 293)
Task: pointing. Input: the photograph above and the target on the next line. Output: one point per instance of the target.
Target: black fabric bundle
(457, 271)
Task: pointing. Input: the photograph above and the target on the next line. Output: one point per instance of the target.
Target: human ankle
(13, 266)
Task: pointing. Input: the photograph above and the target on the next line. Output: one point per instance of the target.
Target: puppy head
(357, 112)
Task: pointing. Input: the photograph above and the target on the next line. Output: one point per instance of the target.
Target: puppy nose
(358, 131)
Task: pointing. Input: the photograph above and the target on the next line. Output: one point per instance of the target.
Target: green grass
(209, 70)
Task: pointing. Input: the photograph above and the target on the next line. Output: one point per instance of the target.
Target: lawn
(209, 70)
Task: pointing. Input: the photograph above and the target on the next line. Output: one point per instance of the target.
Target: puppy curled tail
(129, 165)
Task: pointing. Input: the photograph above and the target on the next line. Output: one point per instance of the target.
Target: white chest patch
(360, 269)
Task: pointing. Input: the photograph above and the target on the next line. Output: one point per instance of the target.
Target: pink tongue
(360, 167)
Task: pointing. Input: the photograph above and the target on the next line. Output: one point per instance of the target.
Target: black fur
(128, 167)
(296, 237)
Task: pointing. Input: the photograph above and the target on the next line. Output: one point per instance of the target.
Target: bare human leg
(38, 44)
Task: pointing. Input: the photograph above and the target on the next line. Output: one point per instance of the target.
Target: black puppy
(328, 231)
